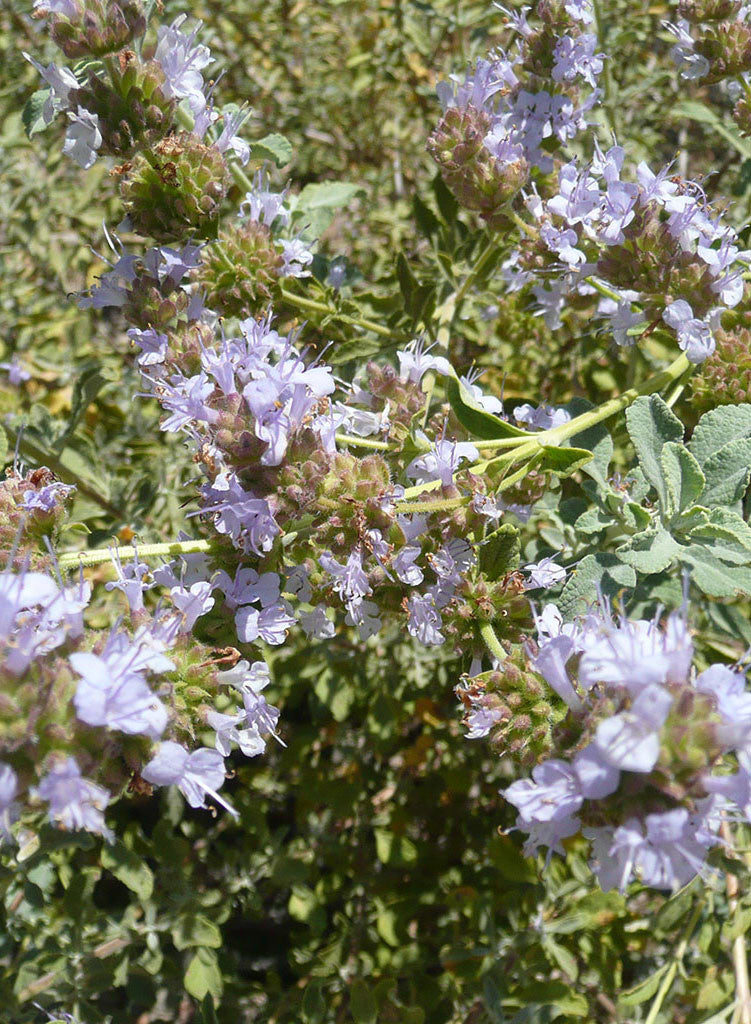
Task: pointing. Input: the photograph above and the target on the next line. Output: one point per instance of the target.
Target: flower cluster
(658, 251)
(509, 115)
(75, 699)
(653, 756)
(275, 450)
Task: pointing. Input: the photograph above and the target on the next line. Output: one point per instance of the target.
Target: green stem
(440, 505)
(363, 442)
(313, 306)
(484, 258)
(525, 228)
(589, 419)
(72, 559)
(527, 447)
(603, 289)
(492, 642)
(671, 972)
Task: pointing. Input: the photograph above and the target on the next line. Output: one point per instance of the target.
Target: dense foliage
(376, 566)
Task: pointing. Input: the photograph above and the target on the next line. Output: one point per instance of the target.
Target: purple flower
(441, 462)
(694, 335)
(630, 740)
(554, 791)
(692, 64)
(666, 851)
(575, 55)
(316, 624)
(248, 587)
(480, 88)
(247, 520)
(17, 372)
(153, 346)
(112, 693)
(350, 580)
(733, 703)
(197, 775)
(263, 205)
(544, 417)
(415, 361)
(364, 615)
(296, 257)
(82, 137)
(182, 62)
(46, 499)
(544, 574)
(235, 729)
(425, 620)
(270, 624)
(246, 678)
(403, 564)
(130, 579)
(75, 802)
(192, 602)
(186, 398)
(8, 791)
(637, 654)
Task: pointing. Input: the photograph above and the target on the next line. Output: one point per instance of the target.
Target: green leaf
(677, 907)
(195, 930)
(683, 477)
(563, 461)
(604, 573)
(303, 902)
(696, 111)
(728, 472)
(499, 553)
(598, 441)
(561, 957)
(717, 428)
(474, 418)
(3, 448)
(645, 989)
(510, 862)
(31, 116)
(726, 534)
(328, 195)
(128, 868)
(715, 578)
(203, 975)
(313, 1004)
(650, 552)
(362, 1003)
(208, 1013)
(651, 425)
(275, 148)
(594, 520)
(408, 283)
(394, 849)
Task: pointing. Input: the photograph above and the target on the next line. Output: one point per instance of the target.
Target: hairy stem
(74, 559)
(740, 964)
(491, 641)
(313, 306)
(671, 972)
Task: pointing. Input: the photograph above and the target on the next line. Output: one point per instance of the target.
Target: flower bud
(134, 113)
(708, 10)
(725, 377)
(176, 189)
(478, 179)
(84, 28)
(239, 270)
